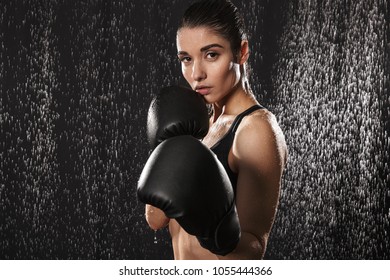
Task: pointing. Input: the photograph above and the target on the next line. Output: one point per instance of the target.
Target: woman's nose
(198, 72)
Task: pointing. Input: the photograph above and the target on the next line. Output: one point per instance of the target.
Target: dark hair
(221, 16)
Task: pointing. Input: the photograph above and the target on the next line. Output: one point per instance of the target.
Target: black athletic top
(222, 147)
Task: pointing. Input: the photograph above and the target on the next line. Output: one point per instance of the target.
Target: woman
(213, 51)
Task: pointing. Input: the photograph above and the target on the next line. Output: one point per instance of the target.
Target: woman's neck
(233, 103)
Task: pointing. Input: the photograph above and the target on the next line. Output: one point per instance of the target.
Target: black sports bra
(223, 146)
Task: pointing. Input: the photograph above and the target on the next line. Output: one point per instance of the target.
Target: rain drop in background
(76, 80)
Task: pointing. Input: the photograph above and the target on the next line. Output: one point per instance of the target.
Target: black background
(76, 80)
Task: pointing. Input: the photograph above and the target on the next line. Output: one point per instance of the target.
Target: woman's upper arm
(259, 155)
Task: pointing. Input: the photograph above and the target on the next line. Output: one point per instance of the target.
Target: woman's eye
(212, 55)
(185, 59)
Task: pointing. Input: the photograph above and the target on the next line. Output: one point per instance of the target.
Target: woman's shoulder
(259, 135)
(260, 123)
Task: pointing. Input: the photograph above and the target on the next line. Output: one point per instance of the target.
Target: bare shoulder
(260, 141)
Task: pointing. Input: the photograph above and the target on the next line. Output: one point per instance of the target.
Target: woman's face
(207, 62)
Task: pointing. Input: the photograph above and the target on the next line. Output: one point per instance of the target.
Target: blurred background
(76, 80)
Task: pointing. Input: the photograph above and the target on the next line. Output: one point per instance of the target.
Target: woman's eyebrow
(203, 49)
(182, 53)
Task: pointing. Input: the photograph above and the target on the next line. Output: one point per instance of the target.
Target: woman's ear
(244, 52)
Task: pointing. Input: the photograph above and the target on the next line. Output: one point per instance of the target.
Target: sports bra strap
(239, 118)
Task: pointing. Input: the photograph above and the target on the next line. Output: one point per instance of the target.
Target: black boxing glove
(184, 178)
(176, 111)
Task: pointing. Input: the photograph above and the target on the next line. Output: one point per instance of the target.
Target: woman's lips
(203, 90)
